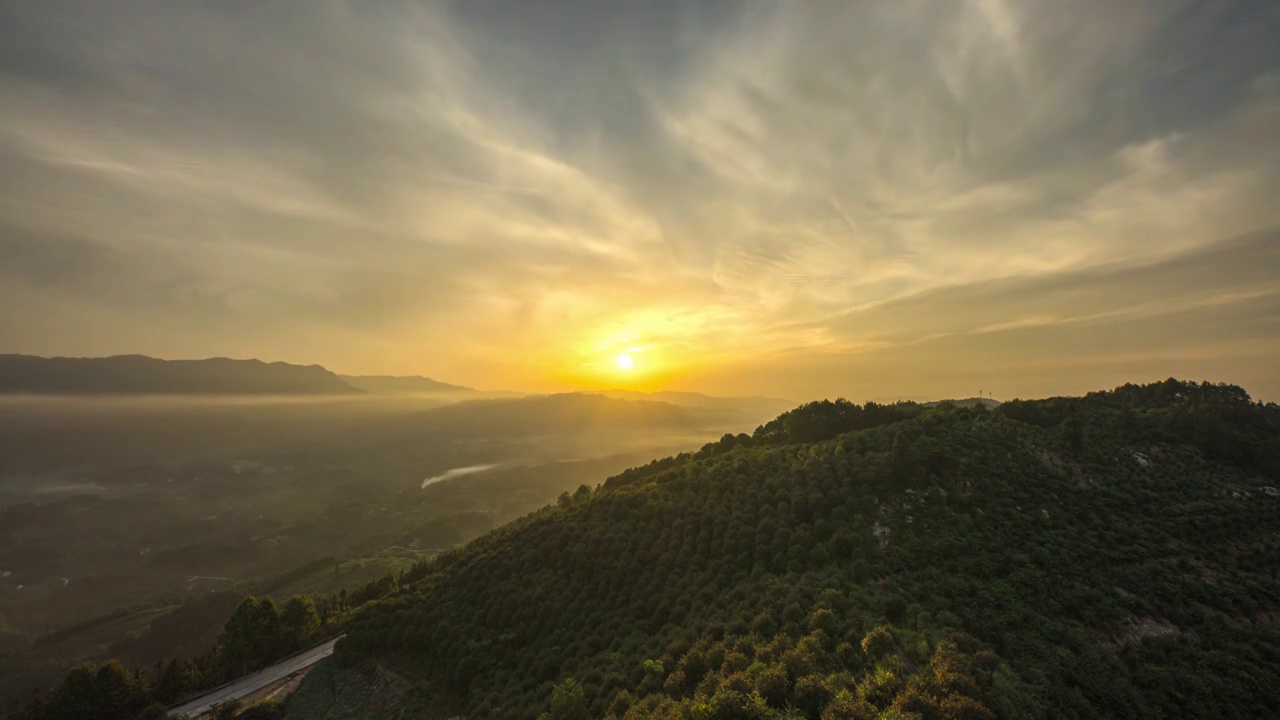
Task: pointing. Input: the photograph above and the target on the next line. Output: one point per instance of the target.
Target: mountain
(1114, 555)
(138, 374)
(563, 414)
(756, 405)
(402, 384)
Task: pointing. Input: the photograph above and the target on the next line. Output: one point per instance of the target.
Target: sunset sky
(870, 199)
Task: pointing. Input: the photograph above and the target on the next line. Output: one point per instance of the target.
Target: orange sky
(794, 199)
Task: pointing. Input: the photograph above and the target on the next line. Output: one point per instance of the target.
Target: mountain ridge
(402, 384)
(141, 374)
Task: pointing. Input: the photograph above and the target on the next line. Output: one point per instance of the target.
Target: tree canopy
(1107, 556)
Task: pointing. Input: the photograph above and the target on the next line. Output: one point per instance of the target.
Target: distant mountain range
(541, 415)
(402, 384)
(142, 375)
(138, 374)
(765, 407)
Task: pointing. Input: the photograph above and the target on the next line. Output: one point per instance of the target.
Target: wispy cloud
(499, 193)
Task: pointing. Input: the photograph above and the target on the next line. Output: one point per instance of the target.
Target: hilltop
(139, 374)
(966, 402)
(1107, 556)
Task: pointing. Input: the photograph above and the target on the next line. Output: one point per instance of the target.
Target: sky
(800, 199)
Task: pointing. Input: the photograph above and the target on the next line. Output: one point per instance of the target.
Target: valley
(120, 512)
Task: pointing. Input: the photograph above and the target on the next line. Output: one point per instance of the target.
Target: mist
(456, 472)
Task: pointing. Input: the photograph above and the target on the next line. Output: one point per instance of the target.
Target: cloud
(534, 186)
(1239, 271)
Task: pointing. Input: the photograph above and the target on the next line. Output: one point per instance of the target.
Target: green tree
(654, 674)
(824, 620)
(172, 679)
(266, 639)
(568, 702)
(878, 644)
(251, 637)
(76, 696)
(901, 458)
(299, 621)
(118, 690)
(847, 706)
(108, 692)
(235, 644)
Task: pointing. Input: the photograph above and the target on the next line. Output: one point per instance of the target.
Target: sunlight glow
(625, 362)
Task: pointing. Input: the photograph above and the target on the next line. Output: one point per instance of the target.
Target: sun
(625, 362)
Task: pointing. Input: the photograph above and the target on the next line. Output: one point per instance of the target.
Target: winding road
(252, 683)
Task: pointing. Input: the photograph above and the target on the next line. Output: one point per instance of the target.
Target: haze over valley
(119, 502)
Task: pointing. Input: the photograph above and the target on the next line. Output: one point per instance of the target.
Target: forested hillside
(1108, 556)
